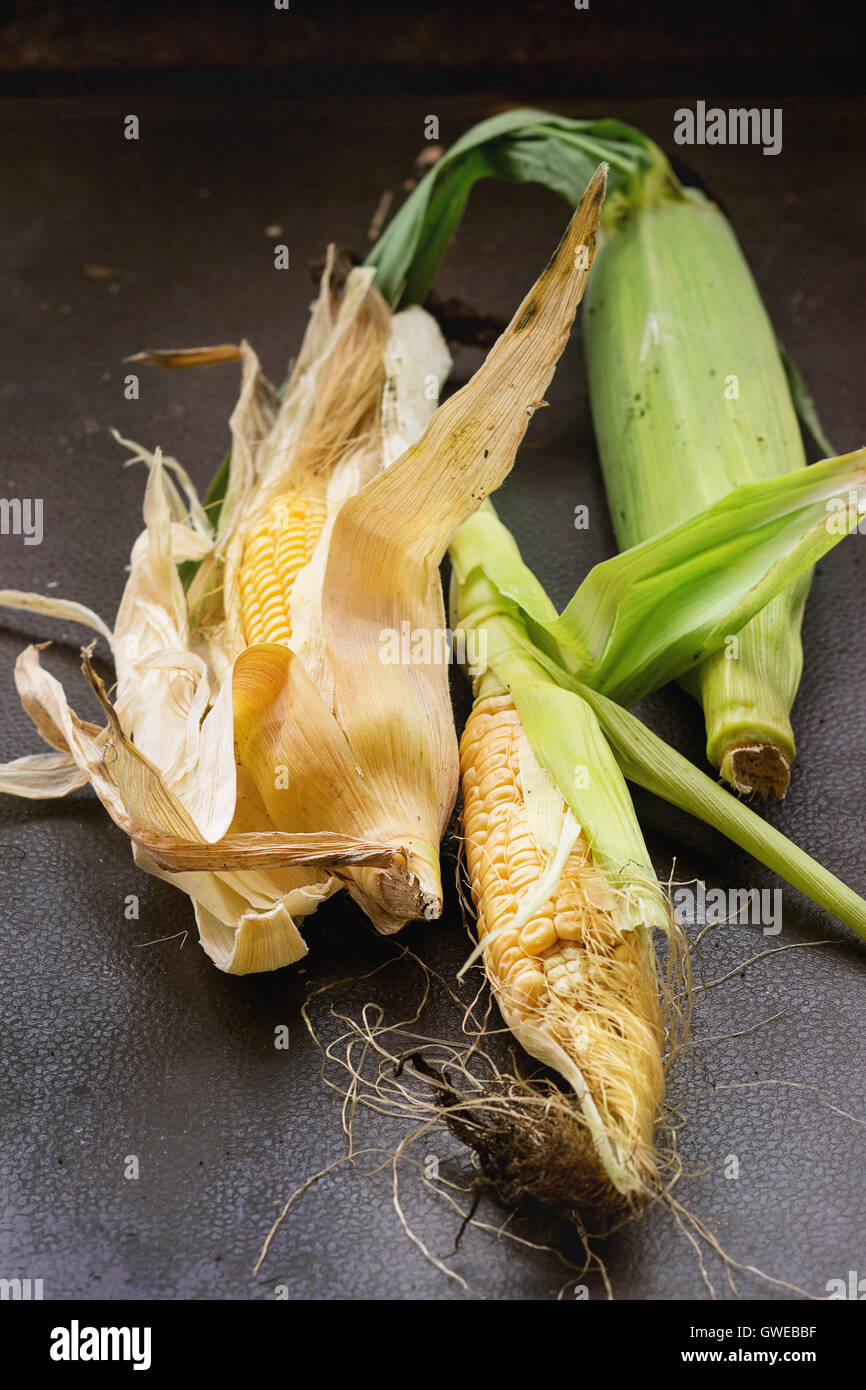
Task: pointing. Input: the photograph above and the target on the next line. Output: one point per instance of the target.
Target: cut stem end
(757, 767)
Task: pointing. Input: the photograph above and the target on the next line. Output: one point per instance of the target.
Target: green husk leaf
(650, 762)
(804, 404)
(515, 662)
(518, 146)
(656, 611)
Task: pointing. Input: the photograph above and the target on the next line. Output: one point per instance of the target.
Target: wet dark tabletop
(114, 1046)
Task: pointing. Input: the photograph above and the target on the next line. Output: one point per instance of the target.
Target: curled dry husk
(260, 779)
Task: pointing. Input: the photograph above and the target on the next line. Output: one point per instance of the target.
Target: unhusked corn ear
(689, 400)
(571, 974)
(278, 545)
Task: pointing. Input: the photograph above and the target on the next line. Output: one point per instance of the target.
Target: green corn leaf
(656, 611)
(651, 763)
(521, 146)
(659, 609)
(804, 405)
(570, 746)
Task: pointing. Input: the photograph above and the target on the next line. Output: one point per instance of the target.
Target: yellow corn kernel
(278, 545)
(508, 957)
(570, 925)
(527, 986)
(504, 861)
(538, 935)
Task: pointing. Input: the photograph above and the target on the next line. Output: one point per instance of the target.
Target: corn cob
(278, 544)
(577, 988)
(566, 908)
(563, 888)
(689, 399)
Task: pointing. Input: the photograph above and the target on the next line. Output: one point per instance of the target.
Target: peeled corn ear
(563, 885)
(310, 735)
(576, 983)
(206, 828)
(391, 721)
(565, 893)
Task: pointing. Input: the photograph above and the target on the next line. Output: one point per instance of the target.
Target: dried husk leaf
(248, 891)
(369, 747)
(187, 357)
(38, 776)
(385, 550)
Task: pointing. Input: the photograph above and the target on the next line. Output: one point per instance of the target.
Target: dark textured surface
(543, 47)
(112, 1046)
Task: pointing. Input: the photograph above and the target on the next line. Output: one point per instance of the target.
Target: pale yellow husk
(262, 778)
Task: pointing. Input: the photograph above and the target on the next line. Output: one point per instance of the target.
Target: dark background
(345, 46)
(112, 1046)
